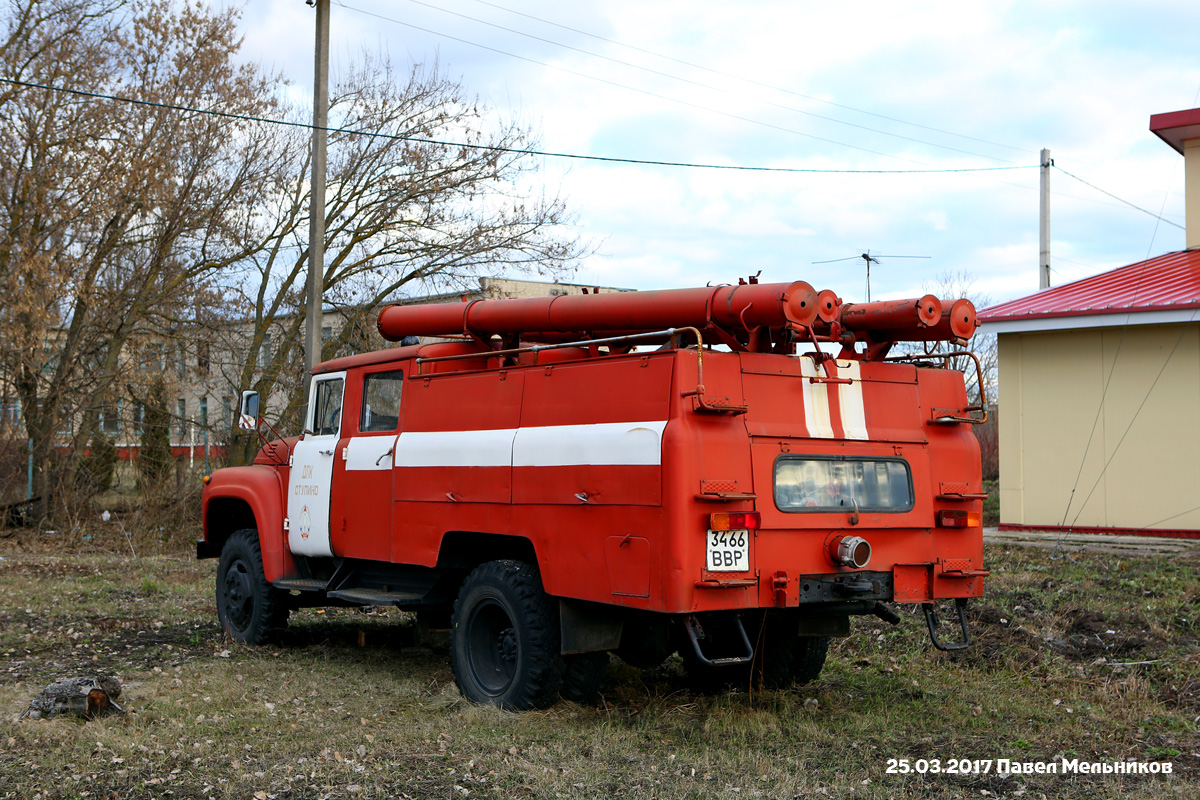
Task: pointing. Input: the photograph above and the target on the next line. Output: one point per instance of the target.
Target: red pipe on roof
(773, 305)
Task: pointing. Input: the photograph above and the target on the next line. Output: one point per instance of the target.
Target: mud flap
(932, 622)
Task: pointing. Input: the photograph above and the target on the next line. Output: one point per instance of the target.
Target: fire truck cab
(686, 470)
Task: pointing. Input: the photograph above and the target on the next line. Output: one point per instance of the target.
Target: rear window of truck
(831, 483)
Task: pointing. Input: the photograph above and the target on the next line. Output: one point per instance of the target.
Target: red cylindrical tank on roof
(955, 322)
(775, 305)
(891, 314)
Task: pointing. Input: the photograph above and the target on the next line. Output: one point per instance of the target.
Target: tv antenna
(868, 259)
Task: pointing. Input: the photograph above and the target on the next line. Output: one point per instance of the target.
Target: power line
(745, 79)
(646, 92)
(689, 81)
(492, 148)
(1118, 199)
(1150, 527)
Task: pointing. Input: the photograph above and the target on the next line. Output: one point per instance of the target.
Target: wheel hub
(239, 598)
(506, 646)
(494, 648)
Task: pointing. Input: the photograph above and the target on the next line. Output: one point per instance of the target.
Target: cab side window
(381, 402)
(327, 416)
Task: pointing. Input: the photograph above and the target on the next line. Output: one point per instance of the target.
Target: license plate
(728, 551)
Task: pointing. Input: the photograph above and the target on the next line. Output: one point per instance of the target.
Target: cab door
(362, 475)
(310, 481)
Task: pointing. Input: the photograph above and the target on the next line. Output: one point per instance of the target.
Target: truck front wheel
(249, 608)
(504, 638)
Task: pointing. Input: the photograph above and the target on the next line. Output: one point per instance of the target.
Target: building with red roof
(1100, 381)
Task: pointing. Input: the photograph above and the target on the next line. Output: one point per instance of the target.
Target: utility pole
(316, 209)
(1044, 227)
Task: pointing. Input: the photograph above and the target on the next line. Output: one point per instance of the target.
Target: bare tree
(116, 218)
(951, 286)
(123, 224)
(406, 208)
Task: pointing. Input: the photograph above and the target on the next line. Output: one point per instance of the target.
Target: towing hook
(931, 622)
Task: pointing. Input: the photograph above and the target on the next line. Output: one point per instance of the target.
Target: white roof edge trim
(1092, 321)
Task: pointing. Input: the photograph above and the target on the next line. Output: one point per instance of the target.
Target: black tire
(583, 677)
(788, 661)
(645, 642)
(708, 679)
(251, 611)
(782, 659)
(504, 638)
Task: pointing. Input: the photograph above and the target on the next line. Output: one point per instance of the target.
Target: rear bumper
(903, 583)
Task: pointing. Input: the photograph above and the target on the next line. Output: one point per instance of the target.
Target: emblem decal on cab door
(305, 523)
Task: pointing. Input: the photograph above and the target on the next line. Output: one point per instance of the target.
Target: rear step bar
(931, 622)
(696, 633)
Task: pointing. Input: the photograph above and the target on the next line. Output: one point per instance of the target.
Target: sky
(865, 89)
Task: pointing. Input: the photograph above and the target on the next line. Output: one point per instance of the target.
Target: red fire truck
(729, 472)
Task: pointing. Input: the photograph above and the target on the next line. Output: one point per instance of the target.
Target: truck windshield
(816, 483)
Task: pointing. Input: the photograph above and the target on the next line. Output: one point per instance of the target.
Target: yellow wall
(1137, 454)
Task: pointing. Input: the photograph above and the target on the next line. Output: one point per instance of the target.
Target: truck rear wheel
(249, 608)
(645, 641)
(504, 638)
(789, 661)
(583, 677)
(782, 659)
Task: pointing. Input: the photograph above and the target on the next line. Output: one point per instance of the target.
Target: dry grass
(348, 707)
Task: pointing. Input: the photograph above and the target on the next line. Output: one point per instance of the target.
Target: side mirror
(248, 411)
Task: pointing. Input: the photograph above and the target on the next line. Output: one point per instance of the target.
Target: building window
(264, 352)
(50, 357)
(139, 417)
(202, 357)
(12, 415)
(326, 333)
(227, 411)
(181, 362)
(204, 411)
(110, 418)
(181, 414)
(152, 359)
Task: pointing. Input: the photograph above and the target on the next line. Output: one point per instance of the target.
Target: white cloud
(1008, 78)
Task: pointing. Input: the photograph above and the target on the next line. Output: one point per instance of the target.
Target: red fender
(261, 489)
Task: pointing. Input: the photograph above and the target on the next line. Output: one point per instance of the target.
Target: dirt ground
(1077, 653)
